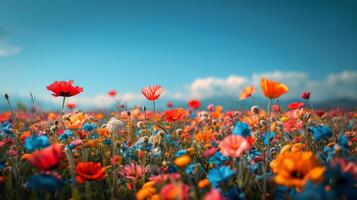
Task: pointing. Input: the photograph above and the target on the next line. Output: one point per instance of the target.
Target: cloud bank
(333, 86)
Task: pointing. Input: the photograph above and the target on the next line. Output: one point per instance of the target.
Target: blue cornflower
(180, 153)
(35, 142)
(242, 128)
(7, 128)
(89, 126)
(194, 168)
(44, 183)
(219, 174)
(320, 132)
(271, 136)
(65, 135)
(217, 159)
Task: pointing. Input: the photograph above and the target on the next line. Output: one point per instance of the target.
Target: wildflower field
(193, 152)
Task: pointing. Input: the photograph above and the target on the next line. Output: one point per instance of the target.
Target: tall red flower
(89, 171)
(152, 92)
(46, 158)
(64, 89)
(194, 104)
(112, 93)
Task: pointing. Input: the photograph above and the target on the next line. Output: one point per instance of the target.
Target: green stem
(267, 153)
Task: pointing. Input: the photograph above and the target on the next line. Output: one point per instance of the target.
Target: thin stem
(10, 108)
(114, 165)
(153, 116)
(63, 101)
(267, 153)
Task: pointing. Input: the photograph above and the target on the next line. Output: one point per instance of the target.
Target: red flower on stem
(64, 89)
(152, 92)
(89, 171)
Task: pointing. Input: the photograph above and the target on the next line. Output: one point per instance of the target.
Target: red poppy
(275, 107)
(152, 92)
(89, 171)
(194, 104)
(305, 95)
(112, 93)
(295, 105)
(320, 113)
(46, 158)
(174, 114)
(5, 116)
(170, 104)
(64, 89)
(71, 106)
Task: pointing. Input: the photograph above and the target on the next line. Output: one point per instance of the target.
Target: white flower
(114, 125)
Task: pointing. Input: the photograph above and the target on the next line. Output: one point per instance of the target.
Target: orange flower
(294, 169)
(203, 183)
(273, 89)
(182, 161)
(103, 132)
(89, 171)
(246, 92)
(147, 192)
(25, 135)
(152, 92)
(174, 114)
(206, 136)
(75, 121)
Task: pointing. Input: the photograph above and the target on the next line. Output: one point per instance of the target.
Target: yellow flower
(294, 169)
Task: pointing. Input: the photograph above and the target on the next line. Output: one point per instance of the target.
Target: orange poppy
(89, 171)
(273, 89)
(246, 92)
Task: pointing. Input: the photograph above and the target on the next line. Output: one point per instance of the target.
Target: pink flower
(293, 125)
(209, 152)
(234, 146)
(132, 171)
(211, 107)
(175, 191)
(213, 195)
(77, 142)
(159, 179)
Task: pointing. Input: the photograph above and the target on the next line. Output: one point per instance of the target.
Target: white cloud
(8, 49)
(335, 85)
(101, 101)
(211, 86)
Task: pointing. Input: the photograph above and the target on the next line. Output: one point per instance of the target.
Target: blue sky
(126, 45)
